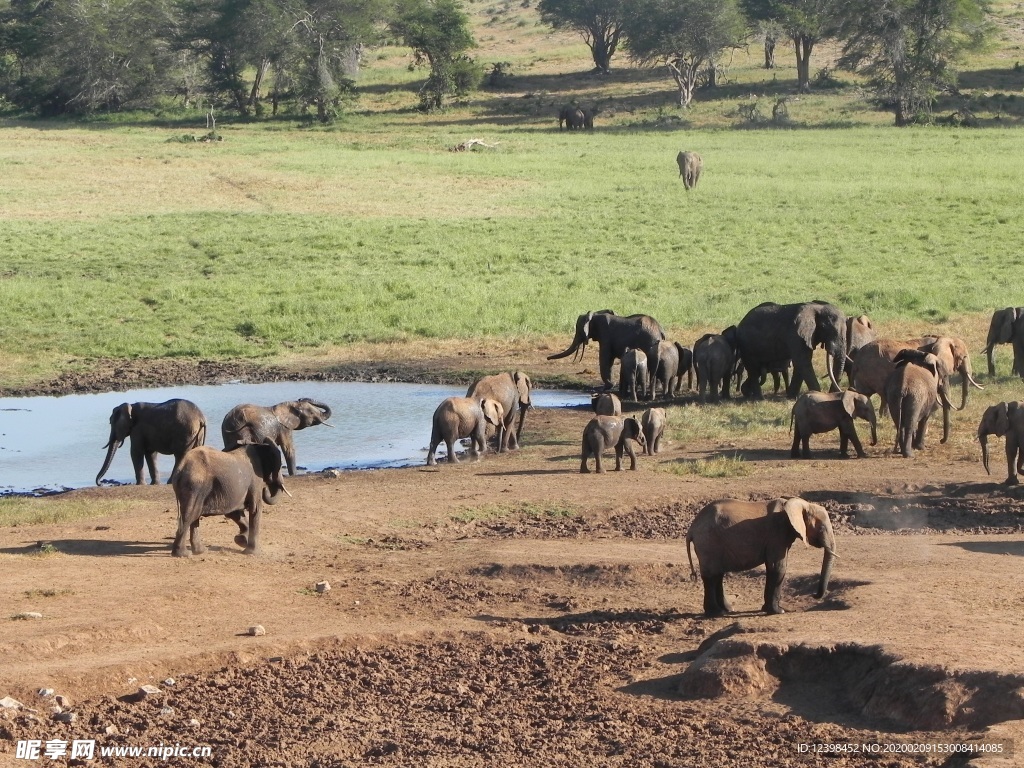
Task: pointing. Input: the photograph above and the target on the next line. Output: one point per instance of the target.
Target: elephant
(817, 412)
(606, 404)
(512, 390)
(175, 427)
(771, 333)
(572, 117)
(231, 483)
(614, 335)
(714, 358)
(588, 116)
(459, 417)
(913, 392)
(955, 358)
(730, 535)
(873, 364)
(690, 166)
(673, 360)
(604, 432)
(633, 374)
(1001, 331)
(653, 422)
(1004, 420)
(255, 423)
(859, 331)
(781, 373)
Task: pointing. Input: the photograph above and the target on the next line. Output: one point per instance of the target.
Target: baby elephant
(459, 417)
(1004, 420)
(817, 412)
(731, 535)
(653, 422)
(606, 404)
(690, 165)
(603, 432)
(230, 483)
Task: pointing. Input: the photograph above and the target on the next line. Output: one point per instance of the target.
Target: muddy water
(49, 443)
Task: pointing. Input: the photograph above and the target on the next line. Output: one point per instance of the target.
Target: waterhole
(54, 443)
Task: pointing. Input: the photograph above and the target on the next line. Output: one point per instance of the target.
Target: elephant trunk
(111, 446)
(826, 572)
(579, 341)
(967, 382)
(983, 439)
(325, 410)
(946, 408)
(273, 498)
(874, 428)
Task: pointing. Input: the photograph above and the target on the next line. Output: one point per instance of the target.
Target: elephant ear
(795, 510)
(289, 415)
(806, 326)
(524, 385)
(850, 402)
(493, 411)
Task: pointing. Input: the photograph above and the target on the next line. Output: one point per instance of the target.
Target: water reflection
(50, 443)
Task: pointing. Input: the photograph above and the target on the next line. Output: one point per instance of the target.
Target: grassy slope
(120, 243)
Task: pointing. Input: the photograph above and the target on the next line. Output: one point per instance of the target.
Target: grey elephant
(512, 390)
(571, 117)
(781, 373)
(1001, 331)
(913, 392)
(174, 427)
(690, 167)
(673, 361)
(589, 113)
(1004, 420)
(730, 535)
(714, 359)
(653, 422)
(633, 375)
(859, 331)
(817, 412)
(955, 359)
(604, 432)
(231, 483)
(256, 423)
(614, 335)
(459, 417)
(771, 333)
(606, 404)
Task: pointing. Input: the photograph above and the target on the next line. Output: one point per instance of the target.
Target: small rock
(56, 710)
(65, 717)
(8, 703)
(257, 630)
(169, 681)
(276, 659)
(194, 723)
(110, 730)
(62, 701)
(167, 710)
(27, 615)
(323, 586)
(356, 602)
(146, 691)
(230, 715)
(46, 692)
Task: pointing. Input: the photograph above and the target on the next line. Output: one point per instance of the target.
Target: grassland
(118, 241)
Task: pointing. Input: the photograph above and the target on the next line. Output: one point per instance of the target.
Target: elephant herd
(232, 482)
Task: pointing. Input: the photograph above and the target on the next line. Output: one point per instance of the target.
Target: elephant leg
(794, 452)
(606, 361)
(598, 450)
(921, 434)
(1011, 459)
(775, 575)
(852, 436)
(138, 459)
(242, 538)
(584, 452)
(723, 601)
(195, 539)
(752, 384)
(255, 517)
(657, 444)
(154, 475)
(178, 548)
(714, 604)
(618, 457)
(632, 455)
(803, 373)
(431, 461)
(450, 443)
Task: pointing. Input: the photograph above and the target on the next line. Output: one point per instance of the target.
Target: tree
(438, 33)
(687, 36)
(908, 48)
(805, 22)
(600, 22)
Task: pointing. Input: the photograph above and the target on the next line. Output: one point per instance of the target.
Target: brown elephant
(604, 432)
(653, 422)
(232, 483)
(690, 167)
(459, 417)
(714, 358)
(955, 359)
(175, 427)
(512, 390)
(1001, 331)
(606, 404)
(257, 423)
(673, 361)
(859, 331)
(873, 364)
(817, 412)
(1004, 420)
(571, 117)
(913, 392)
(633, 374)
(730, 535)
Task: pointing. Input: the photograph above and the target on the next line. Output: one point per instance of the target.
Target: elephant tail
(689, 556)
(199, 438)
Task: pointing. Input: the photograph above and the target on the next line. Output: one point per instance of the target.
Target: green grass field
(118, 241)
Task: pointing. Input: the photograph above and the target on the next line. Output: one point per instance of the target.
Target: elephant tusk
(287, 492)
(326, 424)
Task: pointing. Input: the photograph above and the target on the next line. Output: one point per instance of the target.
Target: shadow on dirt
(91, 548)
(990, 547)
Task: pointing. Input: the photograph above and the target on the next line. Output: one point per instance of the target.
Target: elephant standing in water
(257, 423)
(771, 333)
(731, 535)
(614, 335)
(231, 483)
(175, 427)
(1001, 331)
(1004, 420)
(512, 390)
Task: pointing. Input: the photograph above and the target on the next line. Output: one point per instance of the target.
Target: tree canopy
(600, 22)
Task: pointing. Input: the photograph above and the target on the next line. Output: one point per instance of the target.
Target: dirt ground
(513, 611)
